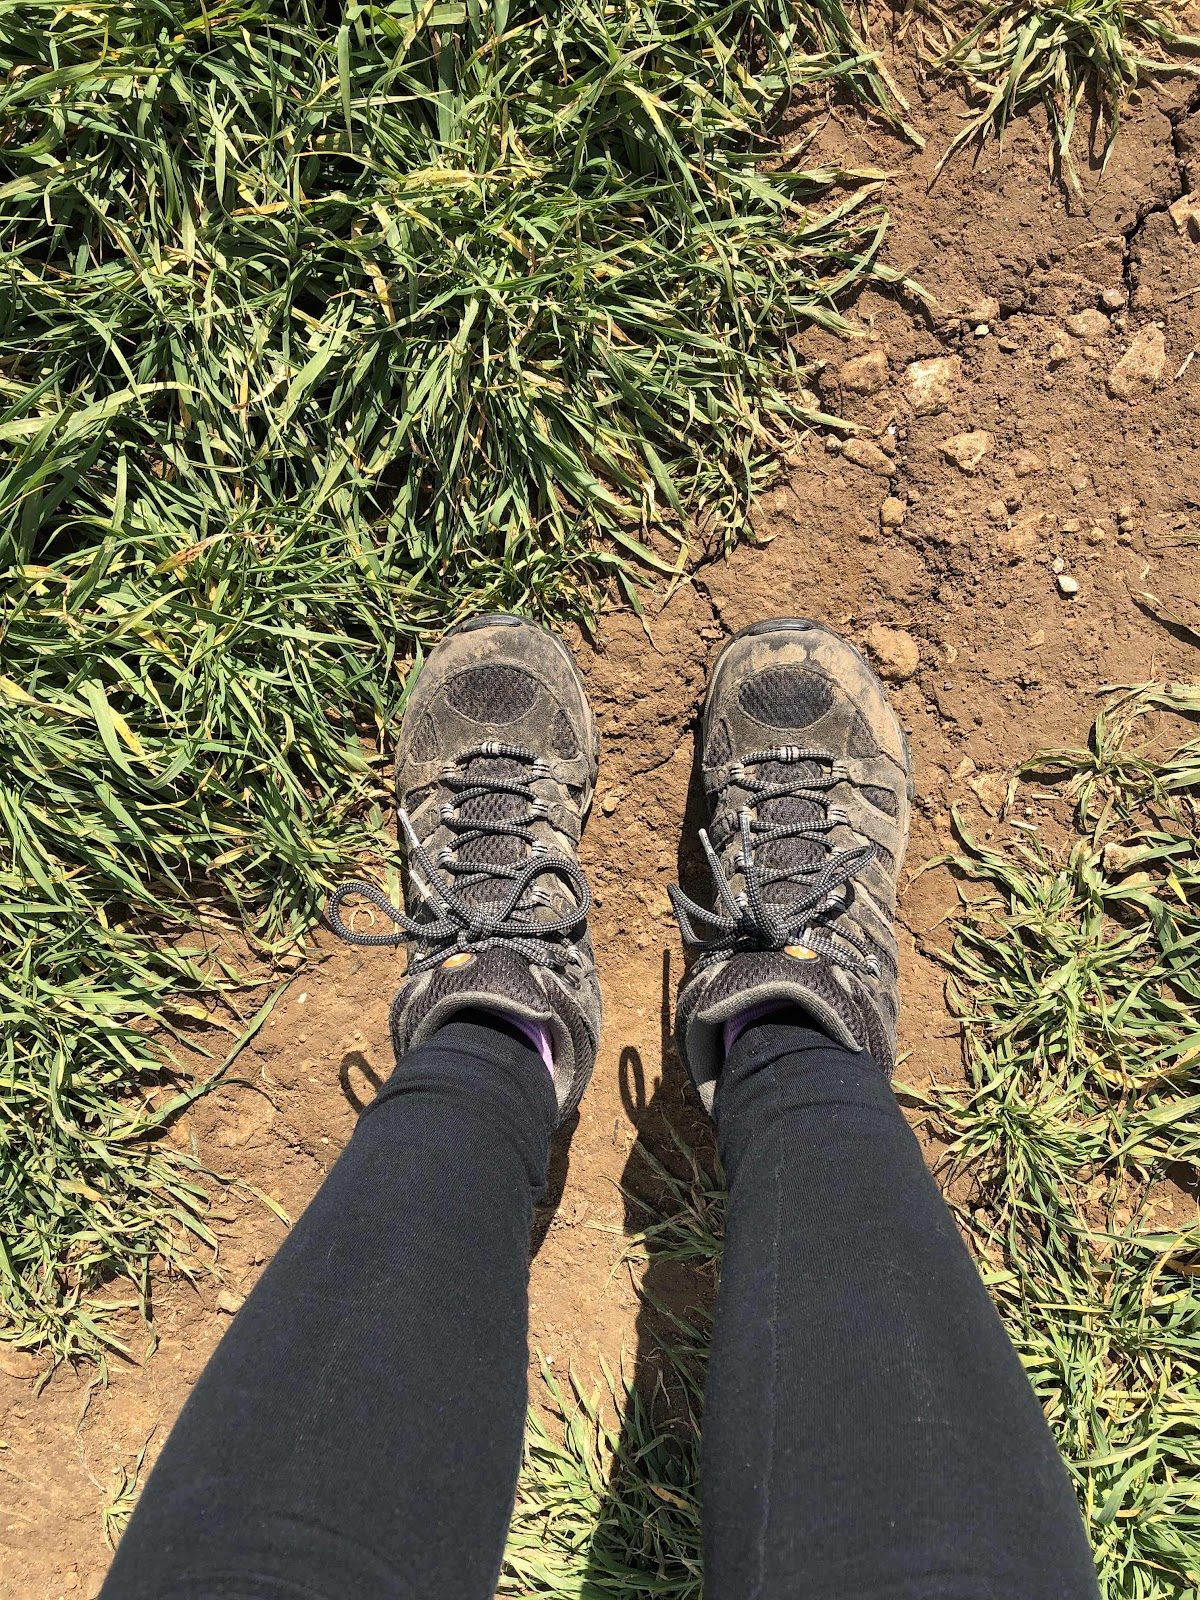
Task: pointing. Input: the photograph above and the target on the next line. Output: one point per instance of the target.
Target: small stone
(1058, 565)
(867, 535)
(895, 653)
(609, 803)
(1067, 585)
(982, 330)
(1113, 299)
(967, 450)
(1096, 535)
(930, 385)
(1059, 351)
(832, 444)
(964, 769)
(291, 962)
(1071, 525)
(865, 374)
(862, 453)
(1185, 214)
(1025, 463)
(1088, 325)
(891, 512)
(230, 1303)
(1077, 482)
(1126, 511)
(1140, 368)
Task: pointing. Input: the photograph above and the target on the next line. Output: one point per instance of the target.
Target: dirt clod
(865, 374)
(1141, 367)
(894, 652)
(1090, 325)
(18, 1363)
(1185, 214)
(967, 450)
(891, 512)
(932, 384)
(862, 453)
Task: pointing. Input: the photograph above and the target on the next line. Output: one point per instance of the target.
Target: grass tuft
(324, 325)
(1057, 53)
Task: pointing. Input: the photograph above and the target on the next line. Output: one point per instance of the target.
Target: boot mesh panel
(496, 695)
(786, 697)
(719, 748)
(425, 740)
(562, 737)
(882, 799)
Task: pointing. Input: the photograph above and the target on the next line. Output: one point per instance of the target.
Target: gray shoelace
(748, 921)
(461, 923)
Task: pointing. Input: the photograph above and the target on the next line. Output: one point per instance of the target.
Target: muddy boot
(809, 785)
(494, 774)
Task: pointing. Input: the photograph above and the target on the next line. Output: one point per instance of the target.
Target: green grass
(1064, 55)
(1076, 977)
(322, 326)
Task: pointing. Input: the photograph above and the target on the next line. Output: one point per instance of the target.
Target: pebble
(1126, 511)
(1088, 325)
(1140, 368)
(930, 385)
(865, 374)
(230, 1303)
(895, 652)
(609, 803)
(1025, 463)
(1059, 352)
(1067, 585)
(982, 331)
(1058, 565)
(862, 453)
(985, 309)
(891, 512)
(1071, 525)
(967, 450)
(1096, 535)
(1113, 299)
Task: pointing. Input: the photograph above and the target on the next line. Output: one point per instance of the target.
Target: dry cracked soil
(1027, 463)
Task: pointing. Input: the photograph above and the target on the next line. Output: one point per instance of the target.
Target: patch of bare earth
(1033, 430)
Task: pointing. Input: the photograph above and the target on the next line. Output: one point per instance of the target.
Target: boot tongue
(503, 849)
(792, 855)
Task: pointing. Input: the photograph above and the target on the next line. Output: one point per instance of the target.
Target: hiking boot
(809, 784)
(494, 775)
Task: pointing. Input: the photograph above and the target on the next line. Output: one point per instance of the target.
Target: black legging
(869, 1432)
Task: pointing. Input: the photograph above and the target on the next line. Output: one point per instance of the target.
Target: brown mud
(950, 521)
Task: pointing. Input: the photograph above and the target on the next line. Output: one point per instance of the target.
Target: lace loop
(457, 924)
(749, 921)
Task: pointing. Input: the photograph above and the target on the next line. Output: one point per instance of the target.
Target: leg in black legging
(357, 1434)
(869, 1432)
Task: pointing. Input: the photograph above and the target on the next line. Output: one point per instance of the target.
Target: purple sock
(536, 1032)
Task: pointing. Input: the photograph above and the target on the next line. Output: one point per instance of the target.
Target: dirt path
(1037, 302)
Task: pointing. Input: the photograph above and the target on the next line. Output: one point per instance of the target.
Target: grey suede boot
(494, 774)
(809, 782)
